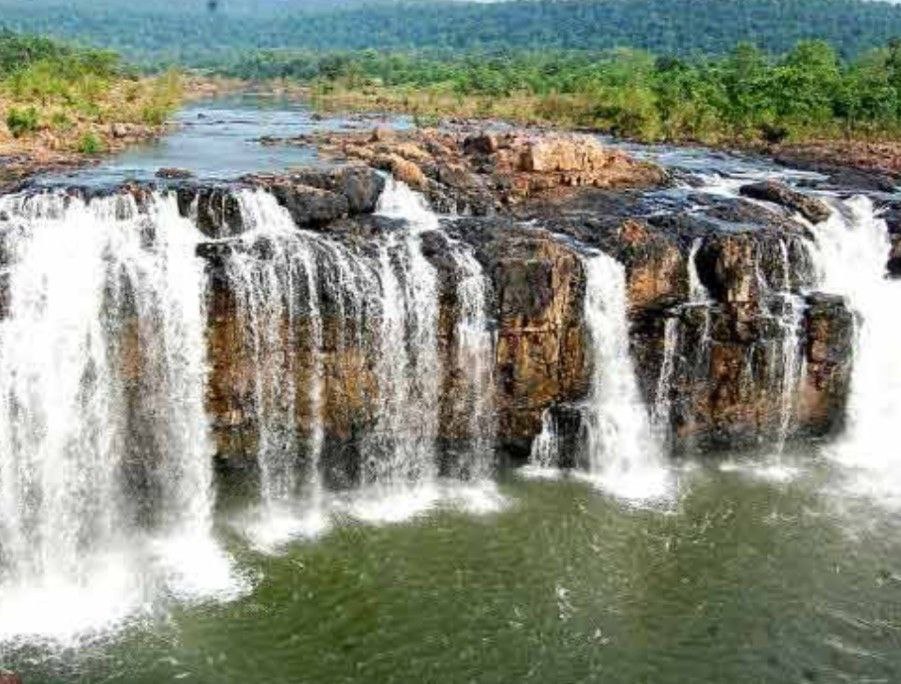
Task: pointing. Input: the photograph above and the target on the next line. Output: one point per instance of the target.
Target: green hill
(191, 33)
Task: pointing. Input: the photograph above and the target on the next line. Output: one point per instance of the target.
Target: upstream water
(784, 568)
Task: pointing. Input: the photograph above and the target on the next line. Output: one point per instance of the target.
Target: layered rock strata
(734, 346)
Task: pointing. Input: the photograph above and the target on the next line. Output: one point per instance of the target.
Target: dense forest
(205, 32)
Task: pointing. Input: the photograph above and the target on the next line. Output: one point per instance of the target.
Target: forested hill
(207, 31)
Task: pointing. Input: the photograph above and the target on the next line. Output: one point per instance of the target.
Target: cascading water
(102, 426)
(408, 367)
(698, 298)
(274, 291)
(402, 452)
(786, 357)
(280, 277)
(662, 400)
(623, 453)
(475, 363)
(851, 254)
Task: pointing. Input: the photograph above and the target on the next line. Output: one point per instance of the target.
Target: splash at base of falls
(95, 291)
(623, 454)
(384, 307)
(396, 504)
(625, 458)
(852, 250)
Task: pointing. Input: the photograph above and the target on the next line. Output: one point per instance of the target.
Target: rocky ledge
(726, 327)
(484, 172)
(757, 355)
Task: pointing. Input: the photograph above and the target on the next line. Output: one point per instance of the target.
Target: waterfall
(699, 298)
(851, 253)
(402, 451)
(663, 400)
(546, 446)
(408, 367)
(102, 428)
(623, 455)
(786, 367)
(475, 364)
(282, 278)
(697, 292)
(274, 273)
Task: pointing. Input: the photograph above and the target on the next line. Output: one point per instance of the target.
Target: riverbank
(864, 163)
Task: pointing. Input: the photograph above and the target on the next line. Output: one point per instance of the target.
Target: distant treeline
(188, 33)
(809, 91)
(21, 53)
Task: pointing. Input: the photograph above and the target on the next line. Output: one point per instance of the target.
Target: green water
(741, 580)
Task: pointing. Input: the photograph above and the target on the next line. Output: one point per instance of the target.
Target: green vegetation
(187, 33)
(22, 121)
(90, 144)
(742, 96)
(74, 94)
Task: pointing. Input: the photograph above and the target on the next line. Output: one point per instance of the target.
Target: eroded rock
(811, 208)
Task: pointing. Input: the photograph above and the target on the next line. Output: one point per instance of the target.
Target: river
(774, 567)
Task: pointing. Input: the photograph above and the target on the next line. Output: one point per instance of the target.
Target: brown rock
(480, 143)
(382, 134)
(402, 169)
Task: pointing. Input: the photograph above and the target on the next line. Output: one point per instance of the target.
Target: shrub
(60, 121)
(22, 121)
(90, 144)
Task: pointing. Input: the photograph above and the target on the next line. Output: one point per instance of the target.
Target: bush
(61, 122)
(22, 121)
(90, 144)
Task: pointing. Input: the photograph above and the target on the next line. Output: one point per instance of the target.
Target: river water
(781, 568)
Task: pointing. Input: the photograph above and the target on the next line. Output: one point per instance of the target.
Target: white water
(102, 375)
(475, 366)
(408, 365)
(851, 253)
(546, 445)
(392, 300)
(624, 456)
(624, 451)
(275, 293)
(402, 455)
(663, 399)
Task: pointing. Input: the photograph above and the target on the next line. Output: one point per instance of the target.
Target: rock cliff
(727, 330)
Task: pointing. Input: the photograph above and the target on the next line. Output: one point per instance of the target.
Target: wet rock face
(829, 339)
(755, 361)
(810, 208)
(540, 354)
(755, 357)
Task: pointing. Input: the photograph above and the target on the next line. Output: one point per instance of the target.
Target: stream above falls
(394, 547)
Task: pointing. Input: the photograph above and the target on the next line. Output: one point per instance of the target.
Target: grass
(82, 105)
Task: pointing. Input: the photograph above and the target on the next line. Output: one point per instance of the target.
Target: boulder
(814, 210)
(309, 206)
(480, 143)
(215, 209)
(173, 173)
(360, 185)
(402, 169)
